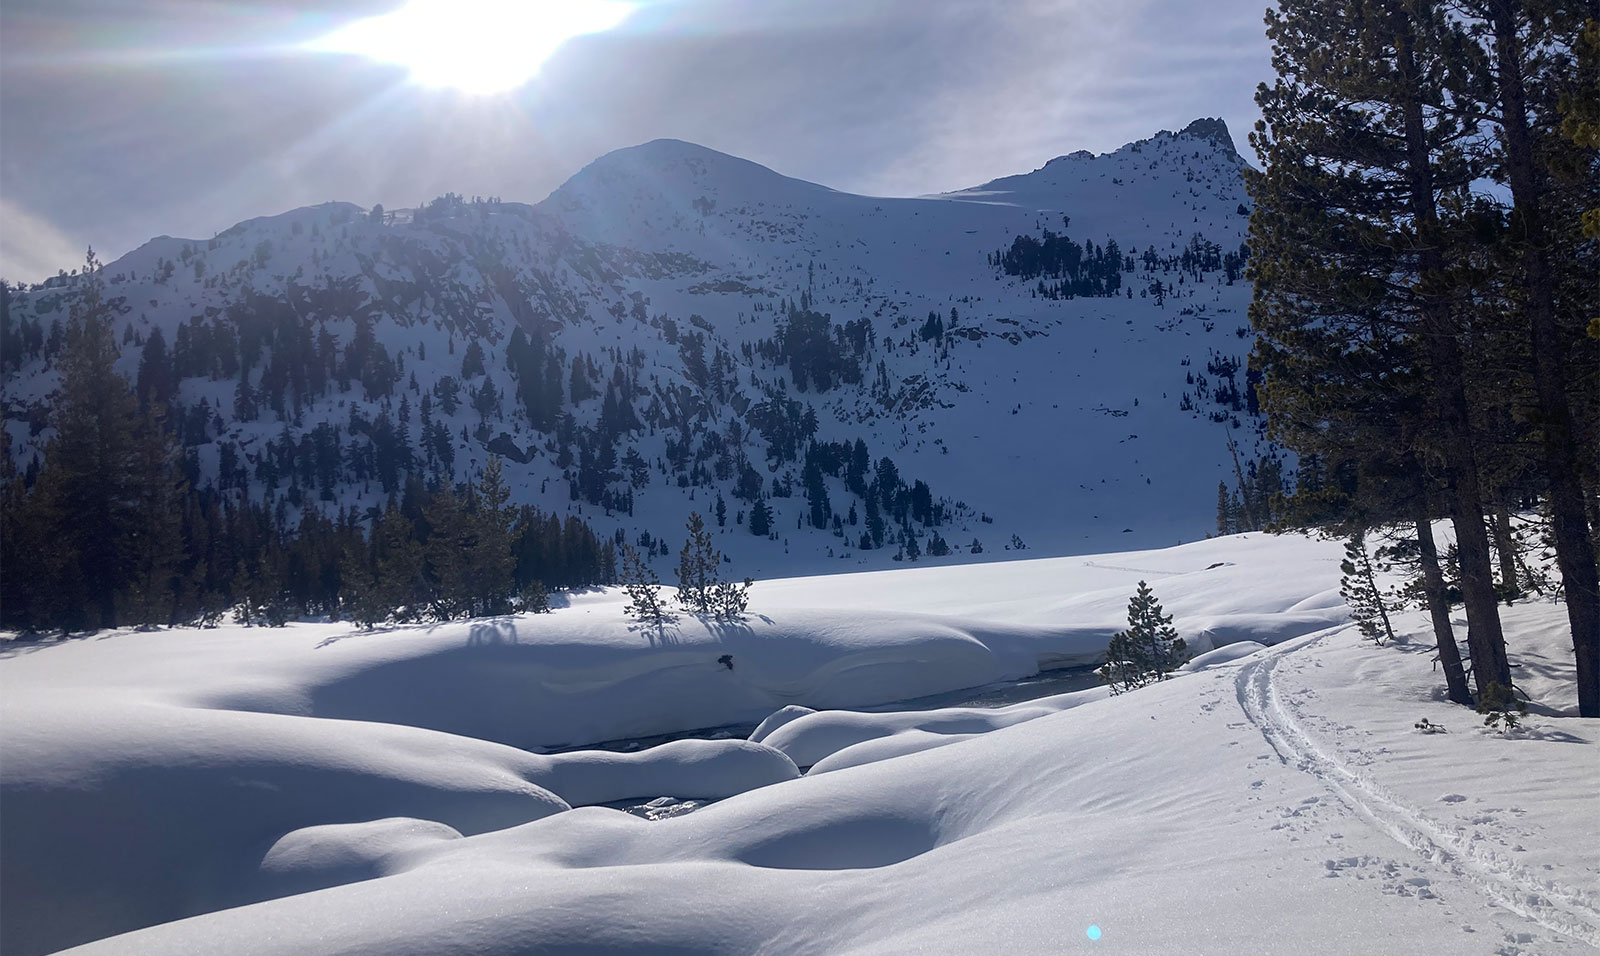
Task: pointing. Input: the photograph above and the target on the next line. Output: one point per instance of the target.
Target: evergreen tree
(760, 518)
(399, 564)
(361, 597)
(472, 361)
(1359, 588)
(87, 473)
(1368, 181)
(643, 589)
(264, 600)
(730, 599)
(491, 561)
(152, 544)
(155, 380)
(1501, 708)
(450, 540)
(1524, 61)
(700, 585)
(1147, 651)
(913, 550)
(698, 564)
(533, 598)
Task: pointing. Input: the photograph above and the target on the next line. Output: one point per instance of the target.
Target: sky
(121, 120)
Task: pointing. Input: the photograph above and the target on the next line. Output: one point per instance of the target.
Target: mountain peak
(1212, 129)
(663, 161)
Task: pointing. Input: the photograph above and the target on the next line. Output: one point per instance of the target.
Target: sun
(476, 46)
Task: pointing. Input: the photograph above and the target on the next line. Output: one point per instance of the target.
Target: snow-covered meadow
(416, 790)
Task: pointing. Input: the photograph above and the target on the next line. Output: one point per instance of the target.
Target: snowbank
(586, 673)
(883, 748)
(1244, 808)
(329, 855)
(122, 813)
(810, 738)
(1281, 796)
(1222, 655)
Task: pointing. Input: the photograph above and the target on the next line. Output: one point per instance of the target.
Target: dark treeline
(1076, 270)
(1262, 497)
(887, 500)
(108, 530)
(1425, 341)
(819, 354)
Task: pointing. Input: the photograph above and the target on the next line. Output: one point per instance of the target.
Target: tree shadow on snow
(729, 631)
(493, 630)
(665, 634)
(1543, 733)
(29, 642)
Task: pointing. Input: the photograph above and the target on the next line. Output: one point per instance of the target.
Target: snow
(335, 853)
(1222, 655)
(586, 673)
(896, 744)
(814, 737)
(1281, 801)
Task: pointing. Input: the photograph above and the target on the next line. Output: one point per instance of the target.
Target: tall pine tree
(1367, 183)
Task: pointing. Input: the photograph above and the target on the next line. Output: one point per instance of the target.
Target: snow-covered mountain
(674, 327)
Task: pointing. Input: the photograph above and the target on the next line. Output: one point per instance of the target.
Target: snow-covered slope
(1277, 802)
(669, 274)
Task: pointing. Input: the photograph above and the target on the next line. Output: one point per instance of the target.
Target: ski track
(1562, 910)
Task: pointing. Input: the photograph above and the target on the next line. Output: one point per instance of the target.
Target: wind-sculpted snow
(121, 813)
(587, 673)
(1161, 817)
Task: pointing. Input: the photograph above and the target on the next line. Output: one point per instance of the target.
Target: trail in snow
(1564, 910)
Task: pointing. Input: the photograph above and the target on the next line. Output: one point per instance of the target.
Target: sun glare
(476, 46)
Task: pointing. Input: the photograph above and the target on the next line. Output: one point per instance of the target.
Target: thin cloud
(32, 248)
(889, 97)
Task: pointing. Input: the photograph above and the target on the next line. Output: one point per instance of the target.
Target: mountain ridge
(710, 330)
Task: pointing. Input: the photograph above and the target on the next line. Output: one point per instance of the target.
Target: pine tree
(399, 566)
(534, 599)
(87, 464)
(760, 518)
(1501, 708)
(730, 599)
(450, 539)
(1525, 56)
(152, 533)
(361, 597)
(1368, 182)
(491, 561)
(643, 589)
(1147, 651)
(698, 564)
(1359, 588)
(265, 601)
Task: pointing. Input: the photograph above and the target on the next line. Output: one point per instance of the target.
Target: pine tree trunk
(1485, 639)
(1244, 489)
(1455, 677)
(1377, 595)
(1575, 554)
(1505, 545)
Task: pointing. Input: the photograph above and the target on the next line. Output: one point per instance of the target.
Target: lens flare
(476, 46)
